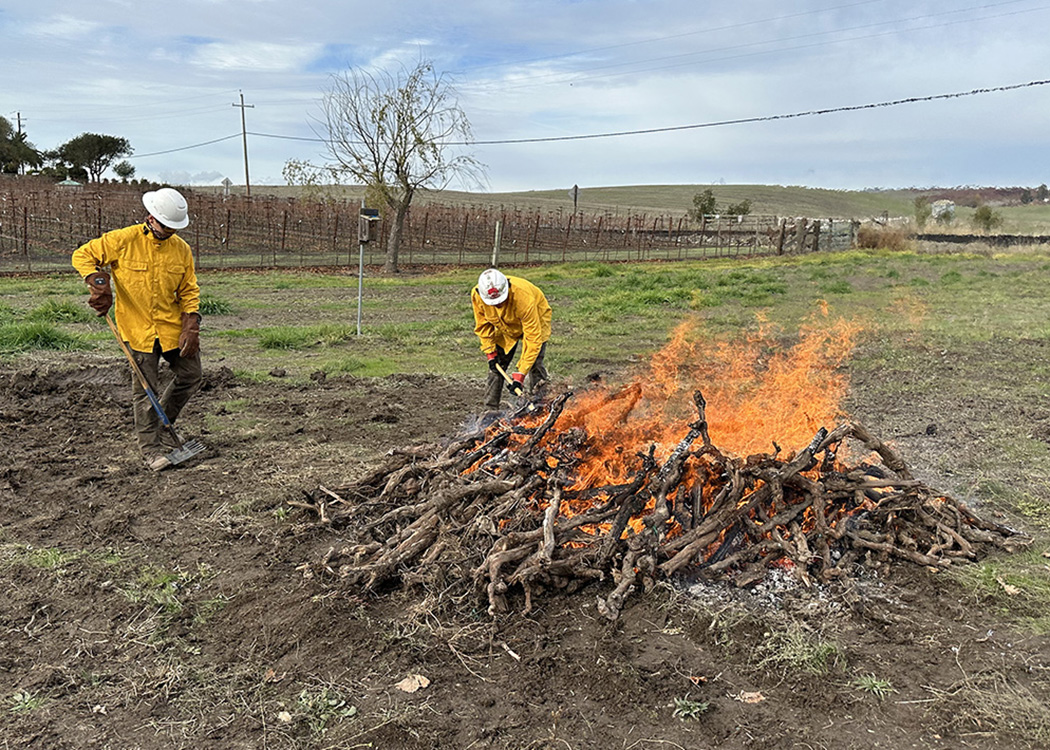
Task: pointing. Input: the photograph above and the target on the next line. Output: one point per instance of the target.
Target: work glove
(190, 338)
(517, 384)
(101, 298)
(493, 362)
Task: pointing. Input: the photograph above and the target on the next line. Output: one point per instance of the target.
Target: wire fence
(39, 229)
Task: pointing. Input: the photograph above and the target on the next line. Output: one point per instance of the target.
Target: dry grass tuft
(873, 237)
(990, 703)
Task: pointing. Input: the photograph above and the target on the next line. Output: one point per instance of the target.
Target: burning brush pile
(631, 486)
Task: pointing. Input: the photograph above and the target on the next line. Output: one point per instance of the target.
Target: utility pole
(244, 138)
(18, 118)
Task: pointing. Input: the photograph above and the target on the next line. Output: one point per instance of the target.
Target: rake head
(188, 450)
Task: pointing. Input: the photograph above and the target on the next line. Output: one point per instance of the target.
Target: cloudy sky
(711, 86)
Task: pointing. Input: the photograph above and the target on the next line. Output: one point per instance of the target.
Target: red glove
(101, 293)
(516, 385)
(190, 338)
(492, 362)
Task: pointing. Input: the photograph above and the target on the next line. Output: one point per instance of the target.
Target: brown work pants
(187, 376)
(535, 380)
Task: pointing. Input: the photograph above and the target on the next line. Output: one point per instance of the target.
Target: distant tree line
(86, 157)
(984, 218)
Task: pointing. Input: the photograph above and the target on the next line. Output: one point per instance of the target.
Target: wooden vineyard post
(25, 237)
(800, 235)
(703, 235)
(463, 236)
(568, 231)
(284, 234)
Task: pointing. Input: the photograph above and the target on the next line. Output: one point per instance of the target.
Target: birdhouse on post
(368, 224)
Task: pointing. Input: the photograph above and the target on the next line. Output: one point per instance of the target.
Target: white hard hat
(493, 287)
(168, 207)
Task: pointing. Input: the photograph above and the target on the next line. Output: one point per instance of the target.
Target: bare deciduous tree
(394, 133)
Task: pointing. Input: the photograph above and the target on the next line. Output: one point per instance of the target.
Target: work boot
(158, 463)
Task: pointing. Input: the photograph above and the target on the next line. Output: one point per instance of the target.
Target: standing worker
(157, 298)
(508, 309)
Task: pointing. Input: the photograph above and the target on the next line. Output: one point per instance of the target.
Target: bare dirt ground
(152, 611)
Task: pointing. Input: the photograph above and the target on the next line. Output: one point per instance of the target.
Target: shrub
(985, 219)
(743, 208)
(871, 237)
(923, 211)
(703, 204)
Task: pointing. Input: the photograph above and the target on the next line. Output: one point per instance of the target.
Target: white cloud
(63, 27)
(166, 80)
(257, 57)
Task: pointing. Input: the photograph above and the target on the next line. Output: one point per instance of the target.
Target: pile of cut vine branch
(498, 513)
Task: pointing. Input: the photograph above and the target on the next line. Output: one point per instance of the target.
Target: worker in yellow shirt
(509, 310)
(157, 298)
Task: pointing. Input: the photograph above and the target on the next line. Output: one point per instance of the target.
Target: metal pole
(360, 272)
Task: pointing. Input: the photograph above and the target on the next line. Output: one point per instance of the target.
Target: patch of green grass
(1034, 508)
(321, 707)
(205, 610)
(61, 285)
(837, 287)
(305, 337)
(7, 313)
(210, 305)
(156, 586)
(689, 710)
(869, 683)
(25, 337)
(64, 311)
(23, 701)
(49, 558)
(1016, 585)
(348, 365)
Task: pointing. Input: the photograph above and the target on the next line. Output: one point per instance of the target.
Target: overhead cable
(718, 123)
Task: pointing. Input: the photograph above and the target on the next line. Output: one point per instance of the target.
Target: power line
(186, 148)
(719, 123)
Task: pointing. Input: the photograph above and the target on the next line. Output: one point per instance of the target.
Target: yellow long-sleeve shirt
(524, 316)
(154, 282)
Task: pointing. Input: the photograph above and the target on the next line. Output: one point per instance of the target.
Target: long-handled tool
(185, 450)
(523, 402)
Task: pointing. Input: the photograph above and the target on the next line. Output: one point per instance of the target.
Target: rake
(186, 449)
(524, 404)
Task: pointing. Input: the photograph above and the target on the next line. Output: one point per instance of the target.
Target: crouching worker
(507, 311)
(157, 297)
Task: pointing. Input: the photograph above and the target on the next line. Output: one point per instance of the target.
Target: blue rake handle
(145, 384)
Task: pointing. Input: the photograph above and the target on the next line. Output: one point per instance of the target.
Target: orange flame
(757, 390)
